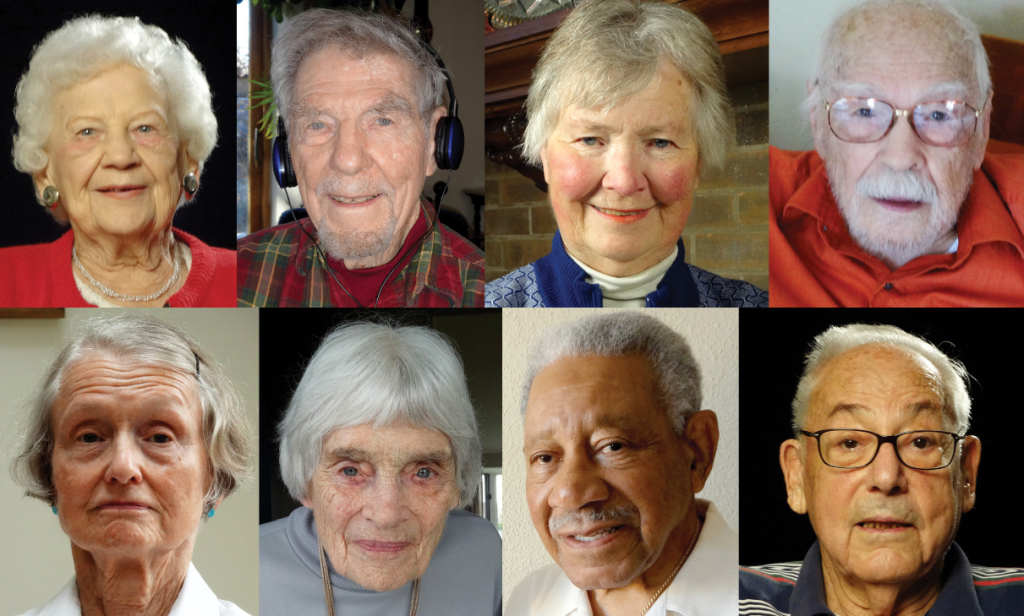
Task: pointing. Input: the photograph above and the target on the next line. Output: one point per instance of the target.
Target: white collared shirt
(705, 586)
(195, 599)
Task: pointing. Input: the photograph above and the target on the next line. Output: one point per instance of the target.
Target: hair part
(86, 46)
(380, 374)
(676, 373)
(359, 34)
(145, 340)
(836, 340)
(608, 50)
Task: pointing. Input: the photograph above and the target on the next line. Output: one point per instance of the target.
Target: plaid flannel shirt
(279, 266)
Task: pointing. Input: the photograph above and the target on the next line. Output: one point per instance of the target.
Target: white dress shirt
(195, 599)
(705, 586)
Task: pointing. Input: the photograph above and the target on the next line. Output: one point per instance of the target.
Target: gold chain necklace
(329, 592)
(665, 584)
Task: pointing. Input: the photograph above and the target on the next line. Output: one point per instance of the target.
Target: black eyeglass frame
(881, 440)
(896, 113)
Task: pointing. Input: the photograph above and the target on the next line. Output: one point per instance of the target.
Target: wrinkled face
(129, 462)
(605, 483)
(115, 156)
(381, 497)
(884, 523)
(900, 196)
(621, 180)
(361, 152)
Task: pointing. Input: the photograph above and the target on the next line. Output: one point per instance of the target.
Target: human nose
(120, 150)
(124, 467)
(625, 171)
(350, 151)
(887, 471)
(385, 503)
(902, 148)
(577, 483)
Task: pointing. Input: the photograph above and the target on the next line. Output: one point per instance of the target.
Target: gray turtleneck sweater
(463, 578)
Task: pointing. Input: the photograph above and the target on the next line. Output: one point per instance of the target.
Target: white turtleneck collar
(630, 291)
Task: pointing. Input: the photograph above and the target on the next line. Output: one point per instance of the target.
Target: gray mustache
(901, 185)
(589, 516)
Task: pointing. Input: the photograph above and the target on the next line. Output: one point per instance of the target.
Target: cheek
(571, 177)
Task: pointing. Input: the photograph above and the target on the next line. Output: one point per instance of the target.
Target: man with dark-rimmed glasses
(904, 201)
(884, 467)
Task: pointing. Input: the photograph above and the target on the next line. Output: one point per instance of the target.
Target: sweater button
(888, 286)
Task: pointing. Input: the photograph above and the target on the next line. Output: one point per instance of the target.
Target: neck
(122, 585)
(131, 266)
(848, 596)
(634, 597)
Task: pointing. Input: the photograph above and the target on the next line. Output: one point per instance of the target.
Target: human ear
(970, 457)
(793, 472)
(701, 434)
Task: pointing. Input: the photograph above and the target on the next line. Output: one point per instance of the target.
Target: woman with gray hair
(114, 125)
(135, 436)
(380, 445)
(626, 107)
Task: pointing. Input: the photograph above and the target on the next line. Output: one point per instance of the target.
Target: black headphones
(449, 140)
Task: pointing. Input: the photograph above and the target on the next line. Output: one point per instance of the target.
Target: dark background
(207, 27)
(772, 347)
(288, 339)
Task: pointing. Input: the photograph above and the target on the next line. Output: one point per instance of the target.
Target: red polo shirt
(813, 261)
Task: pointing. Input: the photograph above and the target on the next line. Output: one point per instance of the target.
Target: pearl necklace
(118, 296)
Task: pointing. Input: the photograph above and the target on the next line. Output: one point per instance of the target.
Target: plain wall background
(714, 339)
(797, 28)
(36, 561)
(772, 351)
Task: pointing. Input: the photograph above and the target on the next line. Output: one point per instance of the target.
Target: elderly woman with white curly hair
(626, 107)
(115, 123)
(135, 436)
(380, 444)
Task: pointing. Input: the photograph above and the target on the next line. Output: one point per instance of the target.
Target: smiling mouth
(354, 200)
(902, 205)
(884, 525)
(604, 532)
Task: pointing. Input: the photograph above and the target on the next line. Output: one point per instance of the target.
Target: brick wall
(728, 229)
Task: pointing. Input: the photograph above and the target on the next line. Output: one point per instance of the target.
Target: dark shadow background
(206, 27)
(772, 347)
(288, 339)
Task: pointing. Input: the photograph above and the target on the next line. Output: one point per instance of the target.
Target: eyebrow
(955, 89)
(356, 454)
(391, 103)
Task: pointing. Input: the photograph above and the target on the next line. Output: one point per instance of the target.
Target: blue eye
(87, 132)
(349, 471)
(424, 473)
(662, 143)
(589, 141)
(384, 122)
(145, 128)
(317, 125)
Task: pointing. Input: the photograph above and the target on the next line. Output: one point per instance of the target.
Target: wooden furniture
(740, 26)
(1007, 58)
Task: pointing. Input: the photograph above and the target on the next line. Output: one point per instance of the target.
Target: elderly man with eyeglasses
(883, 467)
(904, 202)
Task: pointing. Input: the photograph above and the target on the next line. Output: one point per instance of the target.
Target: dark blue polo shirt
(797, 589)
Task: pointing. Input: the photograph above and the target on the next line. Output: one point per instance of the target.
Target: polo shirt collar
(956, 597)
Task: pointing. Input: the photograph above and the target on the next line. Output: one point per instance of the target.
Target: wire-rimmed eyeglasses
(946, 123)
(923, 450)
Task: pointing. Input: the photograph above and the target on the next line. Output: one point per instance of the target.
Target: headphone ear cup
(449, 143)
(284, 173)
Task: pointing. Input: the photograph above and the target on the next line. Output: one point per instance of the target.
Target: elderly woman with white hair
(135, 436)
(380, 445)
(626, 107)
(115, 123)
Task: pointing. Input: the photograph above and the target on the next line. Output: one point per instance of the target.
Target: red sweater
(40, 276)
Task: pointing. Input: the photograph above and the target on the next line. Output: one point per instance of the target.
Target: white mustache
(897, 185)
(335, 184)
(581, 518)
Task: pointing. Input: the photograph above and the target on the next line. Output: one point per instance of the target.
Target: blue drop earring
(54, 507)
(210, 513)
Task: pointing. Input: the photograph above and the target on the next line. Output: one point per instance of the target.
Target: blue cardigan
(556, 281)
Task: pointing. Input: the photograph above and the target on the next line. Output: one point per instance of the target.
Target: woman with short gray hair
(380, 445)
(627, 106)
(134, 437)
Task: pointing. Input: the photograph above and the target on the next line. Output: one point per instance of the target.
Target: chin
(382, 580)
(598, 578)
